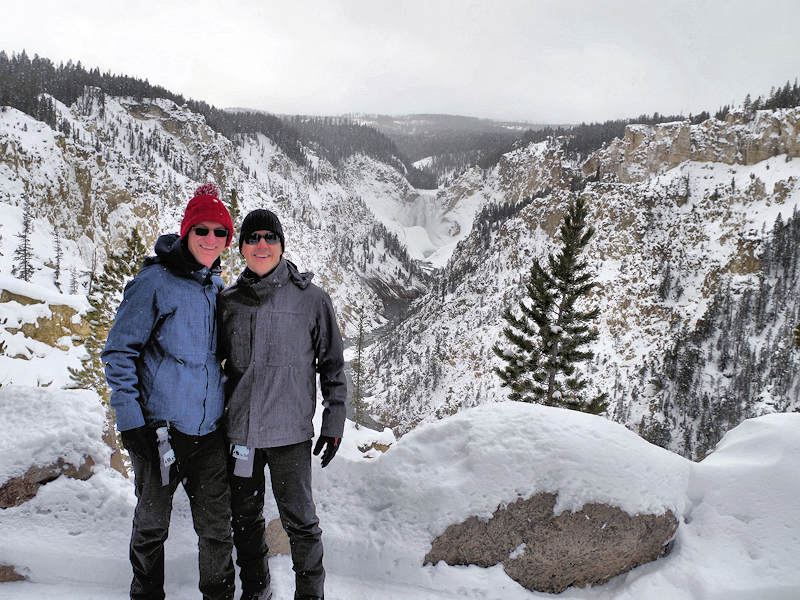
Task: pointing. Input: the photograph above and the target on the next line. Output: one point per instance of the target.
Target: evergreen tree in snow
(104, 299)
(547, 340)
(22, 255)
(59, 255)
(73, 280)
(91, 272)
(359, 380)
(234, 264)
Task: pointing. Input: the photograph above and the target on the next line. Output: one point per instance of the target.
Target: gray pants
(290, 474)
(202, 468)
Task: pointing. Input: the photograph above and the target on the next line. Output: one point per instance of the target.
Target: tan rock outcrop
(548, 553)
(647, 150)
(48, 329)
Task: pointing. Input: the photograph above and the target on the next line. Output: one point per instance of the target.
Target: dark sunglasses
(203, 232)
(269, 237)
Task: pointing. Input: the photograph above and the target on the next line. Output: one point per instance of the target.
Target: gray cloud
(548, 61)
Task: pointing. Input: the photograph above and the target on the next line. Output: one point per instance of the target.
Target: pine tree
(73, 280)
(59, 254)
(104, 300)
(91, 273)
(235, 262)
(357, 364)
(547, 340)
(22, 255)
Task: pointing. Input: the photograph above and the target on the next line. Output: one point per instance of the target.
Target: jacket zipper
(211, 322)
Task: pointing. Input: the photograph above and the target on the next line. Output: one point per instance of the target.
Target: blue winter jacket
(161, 353)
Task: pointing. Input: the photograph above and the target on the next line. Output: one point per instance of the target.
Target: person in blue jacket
(161, 365)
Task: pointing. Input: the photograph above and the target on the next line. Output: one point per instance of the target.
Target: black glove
(140, 441)
(331, 446)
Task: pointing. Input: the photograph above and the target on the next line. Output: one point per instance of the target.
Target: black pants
(201, 465)
(290, 473)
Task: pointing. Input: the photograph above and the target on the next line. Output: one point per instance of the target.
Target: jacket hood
(172, 252)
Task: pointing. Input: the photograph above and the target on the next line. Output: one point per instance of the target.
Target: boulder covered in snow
(545, 552)
(46, 434)
(559, 498)
(475, 478)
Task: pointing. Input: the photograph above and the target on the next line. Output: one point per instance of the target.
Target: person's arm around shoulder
(134, 322)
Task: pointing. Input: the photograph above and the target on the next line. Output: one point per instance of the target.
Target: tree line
(337, 138)
(23, 80)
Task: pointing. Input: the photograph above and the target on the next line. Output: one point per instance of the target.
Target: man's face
(261, 256)
(206, 248)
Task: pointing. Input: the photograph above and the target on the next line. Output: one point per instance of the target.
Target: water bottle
(243, 467)
(166, 455)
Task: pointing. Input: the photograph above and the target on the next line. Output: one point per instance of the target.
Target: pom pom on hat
(206, 206)
(207, 189)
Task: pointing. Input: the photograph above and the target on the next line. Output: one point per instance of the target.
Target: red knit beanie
(206, 206)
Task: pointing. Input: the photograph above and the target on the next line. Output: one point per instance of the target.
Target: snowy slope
(130, 162)
(379, 515)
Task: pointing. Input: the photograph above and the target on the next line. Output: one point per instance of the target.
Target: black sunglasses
(203, 232)
(269, 237)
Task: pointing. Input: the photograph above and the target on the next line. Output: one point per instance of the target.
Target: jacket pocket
(148, 378)
(289, 340)
(238, 332)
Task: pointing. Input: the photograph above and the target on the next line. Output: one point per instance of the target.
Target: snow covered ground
(739, 508)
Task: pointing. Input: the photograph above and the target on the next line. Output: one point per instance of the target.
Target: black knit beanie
(257, 220)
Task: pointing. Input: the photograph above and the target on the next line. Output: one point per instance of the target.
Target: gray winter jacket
(276, 333)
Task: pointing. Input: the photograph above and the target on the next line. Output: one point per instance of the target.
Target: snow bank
(477, 460)
(48, 295)
(743, 523)
(39, 425)
(737, 539)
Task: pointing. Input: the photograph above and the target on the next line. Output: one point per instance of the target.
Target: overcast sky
(536, 60)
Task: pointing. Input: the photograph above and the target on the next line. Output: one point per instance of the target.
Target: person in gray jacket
(162, 367)
(277, 331)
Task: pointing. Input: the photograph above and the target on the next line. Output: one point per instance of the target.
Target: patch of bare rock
(545, 552)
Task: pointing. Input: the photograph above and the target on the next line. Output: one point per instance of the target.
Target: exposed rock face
(17, 490)
(548, 553)
(646, 150)
(49, 330)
